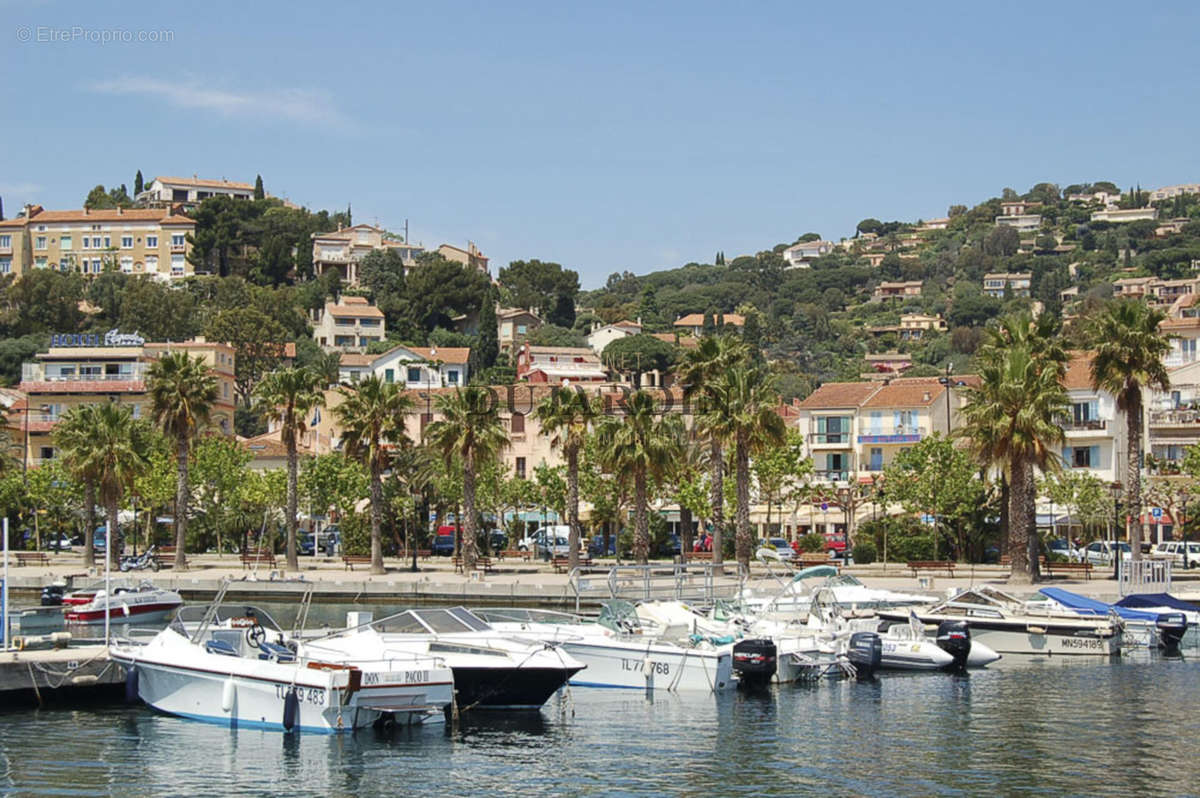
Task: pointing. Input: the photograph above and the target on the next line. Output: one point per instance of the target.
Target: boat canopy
(1157, 600)
(1090, 606)
(453, 620)
(814, 571)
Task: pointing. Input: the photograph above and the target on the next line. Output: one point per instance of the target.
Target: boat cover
(1157, 600)
(816, 570)
(1090, 606)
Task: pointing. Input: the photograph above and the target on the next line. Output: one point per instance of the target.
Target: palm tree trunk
(1133, 472)
(716, 495)
(293, 561)
(113, 542)
(376, 518)
(469, 554)
(573, 505)
(685, 532)
(641, 521)
(181, 503)
(1033, 542)
(1018, 523)
(742, 466)
(89, 520)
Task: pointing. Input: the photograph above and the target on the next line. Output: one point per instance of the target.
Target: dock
(38, 677)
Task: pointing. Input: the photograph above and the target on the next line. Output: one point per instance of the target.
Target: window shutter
(1094, 457)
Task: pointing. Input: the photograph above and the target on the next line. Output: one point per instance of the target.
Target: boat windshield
(522, 615)
(455, 620)
(844, 580)
(188, 618)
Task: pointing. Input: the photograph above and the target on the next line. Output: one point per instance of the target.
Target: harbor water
(1067, 726)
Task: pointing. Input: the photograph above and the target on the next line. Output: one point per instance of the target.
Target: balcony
(900, 434)
(836, 440)
(178, 248)
(1084, 425)
(36, 372)
(1174, 418)
(832, 476)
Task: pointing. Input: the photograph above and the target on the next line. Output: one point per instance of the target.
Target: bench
(1068, 568)
(351, 560)
(424, 554)
(932, 565)
(164, 556)
(32, 558)
(810, 558)
(258, 558)
(515, 554)
(481, 563)
(1006, 561)
(561, 564)
(700, 555)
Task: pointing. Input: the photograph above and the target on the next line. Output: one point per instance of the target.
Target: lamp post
(425, 489)
(1116, 490)
(946, 381)
(845, 495)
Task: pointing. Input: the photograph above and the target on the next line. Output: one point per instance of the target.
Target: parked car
(1173, 551)
(443, 542)
(775, 549)
(1100, 552)
(835, 544)
(497, 540)
(596, 546)
(549, 541)
(1063, 548)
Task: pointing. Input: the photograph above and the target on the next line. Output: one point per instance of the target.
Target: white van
(549, 541)
(1173, 551)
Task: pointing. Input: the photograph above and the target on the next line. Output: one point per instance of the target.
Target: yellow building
(110, 367)
(151, 241)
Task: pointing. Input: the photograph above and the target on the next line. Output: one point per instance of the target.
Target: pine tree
(1, 209)
(710, 324)
(349, 218)
(489, 347)
(259, 193)
(139, 183)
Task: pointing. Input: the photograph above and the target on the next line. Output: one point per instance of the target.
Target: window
(46, 452)
(5, 265)
(517, 424)
(107, 242)
(343, 340)
(835, 465)
(414, 374)
(176, 265)
(521, 468)
(40, 242)
(833, 429)
(137, 411)
(389, 375)
(126, 242)
(5, 242)
(521, 329)
(876, 459)
(178, 240)
(1187, 349)
(151, 263)
(39, 263)
(152, 242)
(127, 264)
(65, 243)
(906, 422)
(97, 265)
(1082, 457)
(452, 376)
(96, 242)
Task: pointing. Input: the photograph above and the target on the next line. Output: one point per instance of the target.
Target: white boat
(794, 599)
(620, 652)
(142, 604)
(1007, 625)
(1158, 627)
(235, 667)
(492, 670)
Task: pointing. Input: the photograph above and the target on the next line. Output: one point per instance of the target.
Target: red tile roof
(39, 216)
(911, 392)
(839, 394)
(697, 319)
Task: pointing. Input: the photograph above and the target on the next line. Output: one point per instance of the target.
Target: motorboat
(144, 603)
(492, 670)
(844, 590)
(236, 667)
(1160, 627)
(1008, 625)
(619, 650)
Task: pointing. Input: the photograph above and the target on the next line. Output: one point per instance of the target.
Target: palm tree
(1012, 420)
(645, 446)
(182, 391)
(744, 411)
(371, 416)
(117, 452)
(73, 437)
(1128, 360)
(701, 368)
(565, 414)
(469, 434)
(288, 396)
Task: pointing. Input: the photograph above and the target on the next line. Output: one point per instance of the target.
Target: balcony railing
(836, 438)
(36, 372)
(1174, 417)
(832, 476)
(1092, 424)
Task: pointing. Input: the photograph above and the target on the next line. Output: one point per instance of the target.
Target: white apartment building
(800, 256)
(1170, 192)
(343, 249)
(1094, 428)
(165, 191)
(412, 366)
(1118, 215)
(1024, 223)
(1016, 283)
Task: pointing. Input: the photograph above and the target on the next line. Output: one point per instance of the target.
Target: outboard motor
(52, 595)
(865, 654)
(954, 638)
(754, 662)
(1171, 628)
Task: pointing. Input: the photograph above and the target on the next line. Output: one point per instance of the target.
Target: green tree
(1129, 360)
(258, 342)
(545, 286)
(218, 468)
(644, 445)
(488, 348)
(565, 415)
(441, 289)
(182, 392)
(73, 437)
(638, 354)
(139, 183)
(937, 478)
(1081, 494)
(744, 412)
(259, 193)
(371, 415)
(1011, 419)
(783, 472)
(700, 372)
(471, 434)
(288, 396)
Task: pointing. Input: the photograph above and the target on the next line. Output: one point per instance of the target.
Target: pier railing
(694, 582)
(1144, 576)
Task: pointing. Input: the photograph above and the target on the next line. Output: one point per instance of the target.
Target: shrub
(812, 542)
(864, 553)
(356, 534)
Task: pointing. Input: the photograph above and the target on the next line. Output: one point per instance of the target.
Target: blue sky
(607, 136)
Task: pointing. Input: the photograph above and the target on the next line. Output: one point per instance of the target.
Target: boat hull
(120, 613)
(1018, 639)
(480, 688)
(651, 667)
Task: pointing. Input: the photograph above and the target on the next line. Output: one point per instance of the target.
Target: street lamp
(845, 494)
(1116, 490)
(946, 381)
